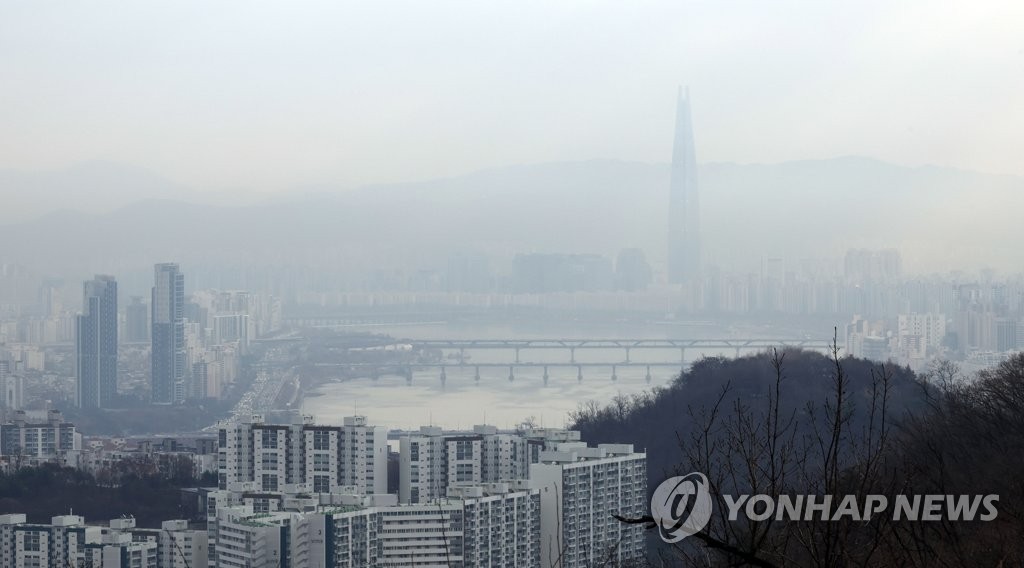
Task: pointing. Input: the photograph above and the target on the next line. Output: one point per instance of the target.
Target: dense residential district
(304, 494)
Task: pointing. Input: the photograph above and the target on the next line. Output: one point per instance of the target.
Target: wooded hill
(800, 423)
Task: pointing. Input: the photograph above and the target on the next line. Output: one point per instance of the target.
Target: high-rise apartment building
(96, 344)
(67, 541)
(580, 489)
(919, 334)
(326, 457)
(432, 461)
(168, 335)
(494, 525)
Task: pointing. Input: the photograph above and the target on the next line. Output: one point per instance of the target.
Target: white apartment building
(177, 545)
(433, 460)
(493, 525)
(34, 441)
(119, 550)
(919, 333)
(246, 539)
(61, 543)
(325, 457)
(501, 524)
(68, 541)
(246, 502)
(351, 455)
(580, 488)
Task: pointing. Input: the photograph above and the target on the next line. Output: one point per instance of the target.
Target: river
(461, 402)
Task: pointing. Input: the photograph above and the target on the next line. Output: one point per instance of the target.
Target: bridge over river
(457, 353)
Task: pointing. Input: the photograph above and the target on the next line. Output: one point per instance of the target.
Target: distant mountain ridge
(939, 217)
(88, 187)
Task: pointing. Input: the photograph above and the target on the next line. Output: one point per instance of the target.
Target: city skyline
(324, 284)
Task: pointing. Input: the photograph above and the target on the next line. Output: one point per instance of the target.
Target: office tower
(168, 335)
(96, 344)
(136, 322)
(684, 260)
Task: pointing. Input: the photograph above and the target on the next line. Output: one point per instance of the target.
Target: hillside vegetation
(801, 423)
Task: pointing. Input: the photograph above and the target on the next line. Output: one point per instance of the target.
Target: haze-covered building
(96, 344)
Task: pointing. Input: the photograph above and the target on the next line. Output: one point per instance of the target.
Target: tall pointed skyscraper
(684, 261)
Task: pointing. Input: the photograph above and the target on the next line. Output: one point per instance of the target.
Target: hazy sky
(269, 95)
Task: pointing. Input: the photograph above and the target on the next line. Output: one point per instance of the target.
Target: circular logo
(681, 506)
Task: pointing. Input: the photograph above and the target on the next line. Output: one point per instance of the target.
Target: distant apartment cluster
(870, 282)
(67, 541)
(464, 498)
(309, 494)
(496, 525)
(979, 325)
(193, 344)
(35, 438)
(197, 345)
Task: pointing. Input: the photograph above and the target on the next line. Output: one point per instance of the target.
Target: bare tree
(779, 450)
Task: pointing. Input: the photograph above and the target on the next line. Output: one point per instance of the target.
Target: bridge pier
(615, 376)
(517, 355)
(579, 373)
(462, 355)
(737, 352)
(682, 355)
(572, 355)
(444, 377)
(546, 375)
(476, 376)
(511, 373)
(627, 355)
(408, 376)
(648, 376)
